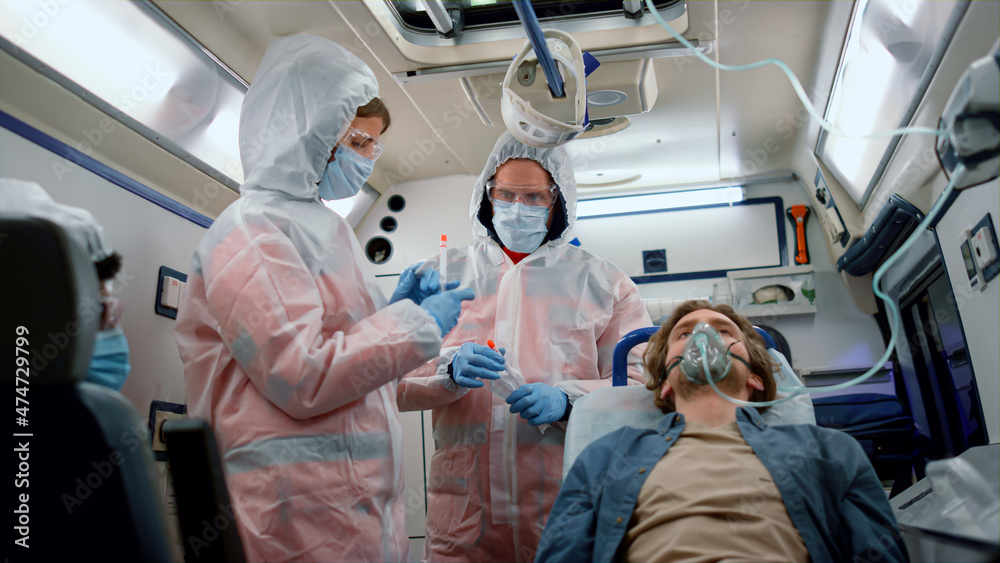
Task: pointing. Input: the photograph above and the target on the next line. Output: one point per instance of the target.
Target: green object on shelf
(808, 291)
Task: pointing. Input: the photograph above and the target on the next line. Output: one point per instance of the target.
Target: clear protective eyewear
(533, 196)
(362, 143)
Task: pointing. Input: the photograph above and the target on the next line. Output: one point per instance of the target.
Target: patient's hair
(656, 358)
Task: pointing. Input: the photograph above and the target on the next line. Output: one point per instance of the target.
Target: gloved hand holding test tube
(510, 380)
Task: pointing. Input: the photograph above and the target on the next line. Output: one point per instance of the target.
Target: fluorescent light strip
(653, 202)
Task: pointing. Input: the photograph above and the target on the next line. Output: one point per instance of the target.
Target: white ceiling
(705, 125)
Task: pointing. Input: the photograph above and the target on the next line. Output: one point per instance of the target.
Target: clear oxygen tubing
(791, 78)
(892, 310)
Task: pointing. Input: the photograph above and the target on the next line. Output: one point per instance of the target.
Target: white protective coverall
(289, 349)
(559, 313)
(28, 198)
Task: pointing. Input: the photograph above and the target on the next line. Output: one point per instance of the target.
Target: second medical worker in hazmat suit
(558, 312)
(290, 350)
(109, 361)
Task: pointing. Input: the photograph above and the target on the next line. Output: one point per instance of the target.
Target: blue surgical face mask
(109, 363)
(345, 175)
(520, 227)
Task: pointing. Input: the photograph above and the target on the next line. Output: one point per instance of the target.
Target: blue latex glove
(475, 360)
(538, 403)
(445, 307)
(418, 286)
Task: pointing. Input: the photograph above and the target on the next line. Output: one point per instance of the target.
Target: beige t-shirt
(710, 499)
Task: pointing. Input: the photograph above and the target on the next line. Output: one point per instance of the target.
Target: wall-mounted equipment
(971, 269)
(893, 224)
(396, 203)
(979, 253)
(169, 289)
(972, 120)
(378, 250)
(654, 261)
(798, 214)
(159, 413)
(773, 291)
(833, 224)
(984, 247)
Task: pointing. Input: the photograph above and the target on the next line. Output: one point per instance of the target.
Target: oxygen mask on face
(705, 354)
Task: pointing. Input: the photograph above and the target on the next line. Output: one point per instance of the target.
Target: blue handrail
(534, 30)
(619, 361)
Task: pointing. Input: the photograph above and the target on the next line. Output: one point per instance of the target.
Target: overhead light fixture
(656, 202)
(602, 98)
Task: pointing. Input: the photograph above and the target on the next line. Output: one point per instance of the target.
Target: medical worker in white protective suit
(109, 361)
(290, 351)
(558, 312)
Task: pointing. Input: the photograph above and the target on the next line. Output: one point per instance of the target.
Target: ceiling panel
(436, 131)
(761, 116)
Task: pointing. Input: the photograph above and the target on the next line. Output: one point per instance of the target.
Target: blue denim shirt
(827, 484)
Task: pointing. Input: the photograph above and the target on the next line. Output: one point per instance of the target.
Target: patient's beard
(688, 390)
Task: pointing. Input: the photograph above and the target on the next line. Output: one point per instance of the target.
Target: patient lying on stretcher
(732, 488)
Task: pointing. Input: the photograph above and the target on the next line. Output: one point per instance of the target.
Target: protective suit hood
(302, 100)
(28, 198)
(555, 160)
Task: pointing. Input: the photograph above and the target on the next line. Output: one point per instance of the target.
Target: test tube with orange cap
(443, 260)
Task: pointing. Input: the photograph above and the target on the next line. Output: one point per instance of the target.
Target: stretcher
(604, 410)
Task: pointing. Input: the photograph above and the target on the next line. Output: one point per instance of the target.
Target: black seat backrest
(774, 339)
(91, 482)
(50, 291)
(206, 513)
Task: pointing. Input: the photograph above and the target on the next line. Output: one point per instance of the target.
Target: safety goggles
(362, 143)
(533, 196)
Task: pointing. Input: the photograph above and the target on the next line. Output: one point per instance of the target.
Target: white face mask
(520, 227)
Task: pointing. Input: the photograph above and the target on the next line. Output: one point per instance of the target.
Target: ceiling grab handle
(525, 122)
(534, 31)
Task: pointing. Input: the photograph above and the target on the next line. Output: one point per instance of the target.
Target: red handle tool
(798, 214)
